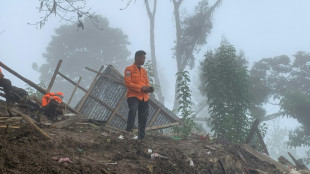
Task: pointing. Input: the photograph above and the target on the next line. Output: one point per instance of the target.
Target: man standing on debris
(138, 87)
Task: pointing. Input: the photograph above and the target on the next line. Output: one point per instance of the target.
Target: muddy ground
(91, 148)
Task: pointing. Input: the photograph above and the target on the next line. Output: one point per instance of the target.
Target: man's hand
(147, 89)
(144, 89)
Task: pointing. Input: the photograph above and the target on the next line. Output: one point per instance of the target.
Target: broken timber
(254, 129)
(43, 91)
(29, 120)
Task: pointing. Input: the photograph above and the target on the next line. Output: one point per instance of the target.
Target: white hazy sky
(261, 28)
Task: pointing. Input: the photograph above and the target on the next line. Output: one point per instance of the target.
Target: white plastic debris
(191, 163)
(294, 172)
(121, 137)
(208, 152)
(135, 137)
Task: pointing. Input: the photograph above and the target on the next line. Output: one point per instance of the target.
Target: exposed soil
(97, 149)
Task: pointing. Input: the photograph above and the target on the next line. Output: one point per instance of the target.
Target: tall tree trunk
(181, 65)
(152, 43)
(176, 5)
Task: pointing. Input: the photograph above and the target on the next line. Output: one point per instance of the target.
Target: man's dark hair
(140, 53)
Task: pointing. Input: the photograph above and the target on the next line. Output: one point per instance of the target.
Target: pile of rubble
(79, 145)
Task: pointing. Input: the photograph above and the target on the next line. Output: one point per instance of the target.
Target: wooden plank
(264, 158)
(29, 120)
(54, 76)
(117, 107)
(75, 87)
(9, 126)
(299, 165)
(154, 117)
(162, 126)
(43, 91)
(89, 90)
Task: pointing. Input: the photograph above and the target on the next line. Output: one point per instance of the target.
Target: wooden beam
(117, 107)
(72, 82)
(29, 120)
(299, 165)
(43, 91)
(106, 76)
(74, 90)
(54, 76)
(90, 89)
(162, 126)
(154, 117)
(35, 86)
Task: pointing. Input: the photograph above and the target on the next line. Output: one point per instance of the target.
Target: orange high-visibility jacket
(1, 75)
(48, 97)
(134, 80)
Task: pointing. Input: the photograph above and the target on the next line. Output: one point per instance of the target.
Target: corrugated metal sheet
(110, 89)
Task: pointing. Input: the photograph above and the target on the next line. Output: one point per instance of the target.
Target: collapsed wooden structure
(105, 100)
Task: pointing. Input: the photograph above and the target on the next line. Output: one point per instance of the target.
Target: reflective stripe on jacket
(48, 97)
(134, 80)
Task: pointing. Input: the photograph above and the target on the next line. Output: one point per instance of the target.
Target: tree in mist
(191, 33)
(84, 48)
(69, 11)
(151, 15)
(185, 105)
(285, 83)
(225, 83)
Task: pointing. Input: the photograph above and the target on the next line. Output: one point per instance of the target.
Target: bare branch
(67, 10)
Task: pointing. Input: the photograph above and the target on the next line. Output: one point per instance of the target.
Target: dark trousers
(143, 110)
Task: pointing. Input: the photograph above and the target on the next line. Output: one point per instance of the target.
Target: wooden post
(89, 90)
(54, 76)
(29, 120)
(74, 90)
(35, 86)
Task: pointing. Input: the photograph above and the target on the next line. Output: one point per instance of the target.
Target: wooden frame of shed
(105, 100)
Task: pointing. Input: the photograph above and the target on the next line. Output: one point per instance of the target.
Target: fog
(262, 29)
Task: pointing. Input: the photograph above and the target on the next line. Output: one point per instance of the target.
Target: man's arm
(128, 83)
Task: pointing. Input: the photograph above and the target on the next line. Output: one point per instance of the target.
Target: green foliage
(288, 81)
(33, 92)
(84, 48)
(296, 105)
(151, 75)
(225, 83)
(185, 105)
